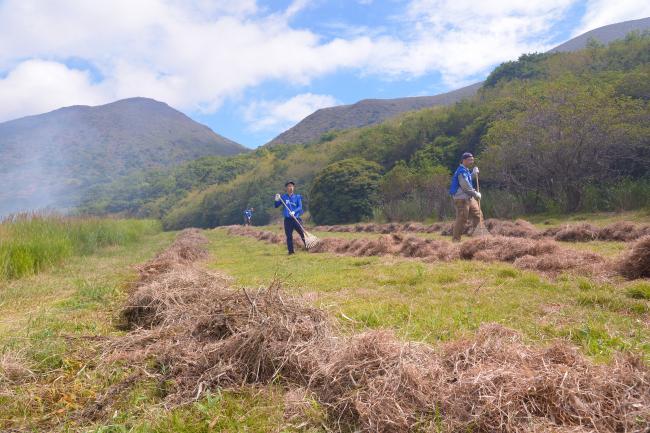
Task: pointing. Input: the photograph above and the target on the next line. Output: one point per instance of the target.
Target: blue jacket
(466, 173)
(294, 203)
(248, 213)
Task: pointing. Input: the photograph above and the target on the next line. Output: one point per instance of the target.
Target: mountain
(363, 113)
(373, 111)
(51, 159)
(604, 35)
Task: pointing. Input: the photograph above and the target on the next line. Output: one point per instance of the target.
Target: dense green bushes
(30, 243)
(345, 192)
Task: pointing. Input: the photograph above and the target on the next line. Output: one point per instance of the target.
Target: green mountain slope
(553, 132)
(373, 111)
(52, 159)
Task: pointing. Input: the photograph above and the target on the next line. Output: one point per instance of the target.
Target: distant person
(465, 196)
(248, 217)
(291, 210)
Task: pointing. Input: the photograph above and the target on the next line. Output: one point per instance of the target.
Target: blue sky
(251, 69)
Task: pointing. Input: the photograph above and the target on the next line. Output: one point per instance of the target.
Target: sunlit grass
(30, 243)
(446, 300)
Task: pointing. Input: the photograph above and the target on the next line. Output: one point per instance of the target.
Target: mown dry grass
(446, 300)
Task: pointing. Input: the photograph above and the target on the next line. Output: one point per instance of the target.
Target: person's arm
(278, 202)
(298, 209)
(467, 187)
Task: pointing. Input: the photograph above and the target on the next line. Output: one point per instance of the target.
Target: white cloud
(603, 12)
(36, 86)
(463, 39)
(273, 115)
(170, 50)
(196, 54)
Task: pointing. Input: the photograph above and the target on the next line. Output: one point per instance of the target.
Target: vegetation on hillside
(31, 243)
(345, 191)
(559, 132)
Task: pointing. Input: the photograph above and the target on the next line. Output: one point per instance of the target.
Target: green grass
(31, 243)
(46, 318)
(49, 317)
(435, 302)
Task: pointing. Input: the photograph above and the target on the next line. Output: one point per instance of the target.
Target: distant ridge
(50, 159)
(373, 111)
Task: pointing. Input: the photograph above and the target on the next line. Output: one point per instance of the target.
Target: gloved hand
(475, 171)
(478, 195)
(292, 213)
(277, 197)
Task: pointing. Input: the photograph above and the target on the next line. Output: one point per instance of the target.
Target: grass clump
(30, 243)
(639, 291)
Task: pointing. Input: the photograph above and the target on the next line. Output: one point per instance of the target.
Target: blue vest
(454, 180)
(294, 202)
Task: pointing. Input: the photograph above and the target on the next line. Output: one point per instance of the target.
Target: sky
(250, 69)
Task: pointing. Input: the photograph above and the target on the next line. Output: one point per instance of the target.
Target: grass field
(53, 323)
(30, 243)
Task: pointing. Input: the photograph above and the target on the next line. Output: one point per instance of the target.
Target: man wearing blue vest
(465, 196)
(291, 212)
(248, 217)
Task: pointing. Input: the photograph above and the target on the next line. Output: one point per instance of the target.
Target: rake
(480, 229)
(310, 240)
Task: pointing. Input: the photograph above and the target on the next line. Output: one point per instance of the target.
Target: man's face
(468, 162)
(290, 188)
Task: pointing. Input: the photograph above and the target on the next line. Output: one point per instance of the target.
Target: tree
(345, 191)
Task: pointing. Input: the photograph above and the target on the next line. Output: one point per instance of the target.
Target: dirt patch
(195, 333)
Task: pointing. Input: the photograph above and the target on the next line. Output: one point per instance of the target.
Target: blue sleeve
(278, 203)
(298, 209)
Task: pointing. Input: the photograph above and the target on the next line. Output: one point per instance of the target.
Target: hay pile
(636, 262)
(539, 255)
(542, 255)
(623, 231)
(201, 334)
(518, 228)
(412, 227)
(580, 232)
(396, 244)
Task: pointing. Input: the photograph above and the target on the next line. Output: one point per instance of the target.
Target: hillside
(52, 159)
(552, 114)
(373, 111)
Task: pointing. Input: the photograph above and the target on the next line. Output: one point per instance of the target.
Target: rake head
(311, 241)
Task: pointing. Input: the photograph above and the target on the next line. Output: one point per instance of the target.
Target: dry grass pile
(412, 227)
(636, 262)
(194, 333)
(396, 244)
(14, 370)
(542, 255)
(582, 232)
(498, 384)
(506, 249)
(623, 231)
(518, 228)
(539, 255)
(188, 247)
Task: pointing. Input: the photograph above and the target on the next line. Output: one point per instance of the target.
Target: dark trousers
(290, 225)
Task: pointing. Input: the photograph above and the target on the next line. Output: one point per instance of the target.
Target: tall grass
(30, 243)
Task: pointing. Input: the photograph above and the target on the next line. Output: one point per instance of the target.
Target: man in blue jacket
(465, 196)
(248, 217)
(291, 212)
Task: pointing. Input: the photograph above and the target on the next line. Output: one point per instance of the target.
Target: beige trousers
(466, 210)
